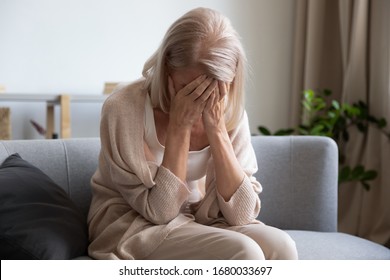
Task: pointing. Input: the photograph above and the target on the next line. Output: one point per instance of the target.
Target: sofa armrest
(299, 178)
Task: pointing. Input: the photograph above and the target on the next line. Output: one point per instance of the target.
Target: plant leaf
(382, 123)
(366, 186)
(368, 175)
(332, 115)
(264, 130)
(327, 92)
(317, 130)
(287, 131)
(344, 174)
(308, 94)
(357, 172)
(336, 104)
(307, 105)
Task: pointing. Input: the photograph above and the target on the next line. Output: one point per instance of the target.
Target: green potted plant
(326, 117)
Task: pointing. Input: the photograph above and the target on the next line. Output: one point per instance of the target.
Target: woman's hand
(228, 172)
(189, 102)
(186, 108)
(213, 112)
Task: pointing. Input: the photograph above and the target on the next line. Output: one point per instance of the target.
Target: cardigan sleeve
(153, 191)
(244, 205)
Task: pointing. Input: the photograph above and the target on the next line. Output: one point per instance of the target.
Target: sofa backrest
(298, 175)
(70, 162)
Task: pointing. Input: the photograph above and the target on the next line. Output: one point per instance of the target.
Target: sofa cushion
(37, 218)
(336, 246)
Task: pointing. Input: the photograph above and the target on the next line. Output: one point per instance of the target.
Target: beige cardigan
(136, 203)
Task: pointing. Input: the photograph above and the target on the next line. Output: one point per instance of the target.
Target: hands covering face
(213, 113)
(201, 98)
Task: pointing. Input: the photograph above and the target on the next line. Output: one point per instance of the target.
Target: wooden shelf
(21, 97)
(51, 100)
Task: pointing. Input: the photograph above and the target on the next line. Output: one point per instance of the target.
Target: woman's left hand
(228, 172)
(213, 113)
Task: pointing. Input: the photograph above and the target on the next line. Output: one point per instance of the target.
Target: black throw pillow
(37, 218)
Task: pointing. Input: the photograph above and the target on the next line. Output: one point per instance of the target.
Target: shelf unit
(64, 101)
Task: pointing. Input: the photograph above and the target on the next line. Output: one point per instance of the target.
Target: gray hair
(201, 37)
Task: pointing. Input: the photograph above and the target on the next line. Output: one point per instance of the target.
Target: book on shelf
(5, 123)
(109, 87)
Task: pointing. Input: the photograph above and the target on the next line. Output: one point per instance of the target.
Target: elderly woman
(175, 176)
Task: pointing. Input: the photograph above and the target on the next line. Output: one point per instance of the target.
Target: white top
(196, 163)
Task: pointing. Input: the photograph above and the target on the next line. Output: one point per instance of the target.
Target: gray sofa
(298, 174)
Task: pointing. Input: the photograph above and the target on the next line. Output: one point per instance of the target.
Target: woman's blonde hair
(202, 37)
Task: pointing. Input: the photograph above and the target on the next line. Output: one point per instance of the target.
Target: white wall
(74, 46)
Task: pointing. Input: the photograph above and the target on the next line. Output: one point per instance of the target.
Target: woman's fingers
(223, 89)
(202, 87)
(188, 89)
(209, 103)
(206, 87)
(202, 94)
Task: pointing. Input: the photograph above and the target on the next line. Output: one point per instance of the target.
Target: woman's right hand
(187, 106)
(188, 103)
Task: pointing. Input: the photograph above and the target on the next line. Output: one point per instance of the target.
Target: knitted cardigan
(136, 203)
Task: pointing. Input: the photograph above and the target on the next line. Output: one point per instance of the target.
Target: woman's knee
(275, 243)
(287, 250)
(243, 247)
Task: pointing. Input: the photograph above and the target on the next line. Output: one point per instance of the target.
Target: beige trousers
(250, 242)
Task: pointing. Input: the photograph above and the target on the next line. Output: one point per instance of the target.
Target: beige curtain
(344, 45)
